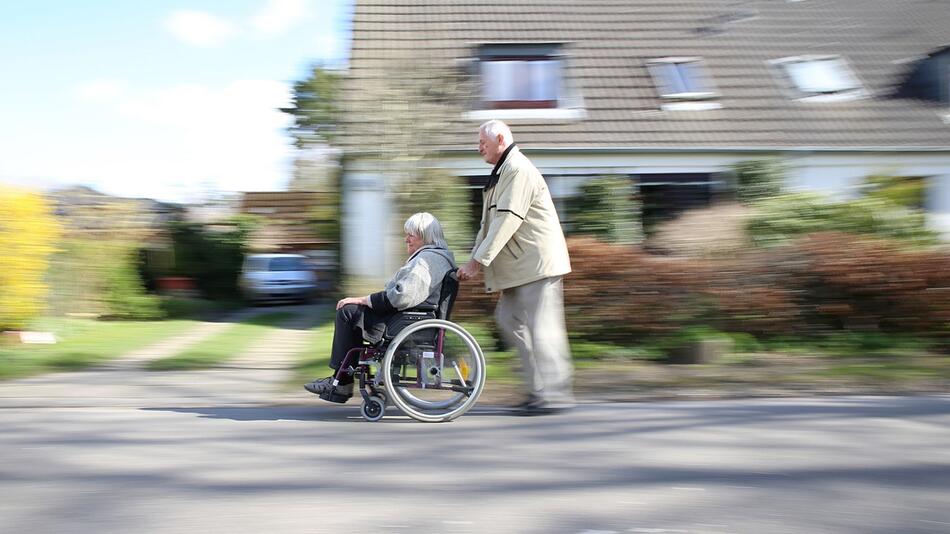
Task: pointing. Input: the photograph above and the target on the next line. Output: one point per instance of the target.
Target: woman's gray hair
(494, 128)
(427, 227)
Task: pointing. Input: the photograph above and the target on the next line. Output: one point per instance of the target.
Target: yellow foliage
(28, 231)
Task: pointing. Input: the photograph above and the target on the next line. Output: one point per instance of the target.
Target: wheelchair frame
(376, 391)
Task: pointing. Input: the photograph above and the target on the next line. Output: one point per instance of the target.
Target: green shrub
(908, 192)
(780, 219)
(100, 277)
(124, 293)
(758, 179)
(606, 208)
(212, 256)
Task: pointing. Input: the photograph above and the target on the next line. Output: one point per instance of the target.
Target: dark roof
(608, 43)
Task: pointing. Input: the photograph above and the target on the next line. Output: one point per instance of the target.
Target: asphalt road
(119, 450)
(183, 461)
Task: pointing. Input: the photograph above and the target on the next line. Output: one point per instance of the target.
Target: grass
(890, 369)
(81, 343)
(222, 346)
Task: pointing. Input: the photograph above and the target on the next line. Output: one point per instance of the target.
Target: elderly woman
(417, 283)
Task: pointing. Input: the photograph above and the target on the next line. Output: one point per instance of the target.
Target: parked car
(271, 277)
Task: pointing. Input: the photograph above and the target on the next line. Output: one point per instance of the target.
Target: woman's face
(413, 243)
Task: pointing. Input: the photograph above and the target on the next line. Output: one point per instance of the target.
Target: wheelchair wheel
(374, 409)
(429, 384)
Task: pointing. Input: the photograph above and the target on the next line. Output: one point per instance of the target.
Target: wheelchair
(430, 368)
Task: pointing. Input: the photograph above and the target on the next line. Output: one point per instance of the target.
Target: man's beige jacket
(520, 239)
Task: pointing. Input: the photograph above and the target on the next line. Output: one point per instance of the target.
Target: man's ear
(500, 139)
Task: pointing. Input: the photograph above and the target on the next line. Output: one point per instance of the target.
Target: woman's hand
(363, 301)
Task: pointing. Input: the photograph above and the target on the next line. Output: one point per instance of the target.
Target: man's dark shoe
(327, 391)
(529, 401)
(531, 408)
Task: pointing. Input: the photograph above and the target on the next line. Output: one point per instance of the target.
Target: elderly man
(521, 249)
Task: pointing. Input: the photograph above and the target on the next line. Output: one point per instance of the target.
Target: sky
(174, 100)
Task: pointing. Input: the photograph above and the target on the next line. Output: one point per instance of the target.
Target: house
(670, 94)
(289, 220)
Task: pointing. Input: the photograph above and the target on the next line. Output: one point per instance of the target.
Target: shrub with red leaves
(824, 281)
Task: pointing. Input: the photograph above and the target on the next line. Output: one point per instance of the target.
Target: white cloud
(199, 28)
(101, 90)
(232, 136)
(278, 16)
(174, 142)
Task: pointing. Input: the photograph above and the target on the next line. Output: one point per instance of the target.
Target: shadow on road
(339, 414)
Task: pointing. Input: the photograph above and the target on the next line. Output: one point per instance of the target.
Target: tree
(409, 106)
(28, 231)
(316, 108)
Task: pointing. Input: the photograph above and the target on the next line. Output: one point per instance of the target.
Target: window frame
(797, 92)
(523, 103)
(654, 66)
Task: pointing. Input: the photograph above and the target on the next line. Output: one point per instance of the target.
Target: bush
(821, 283)
(717, 230)
(786, 217)
(872, 284)
(124, 293)
(758, 179)
(100, 277)
(28, 231)
(212, 256)
(605, 208)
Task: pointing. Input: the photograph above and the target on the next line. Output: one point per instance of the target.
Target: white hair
(494, 128)
(425, 226)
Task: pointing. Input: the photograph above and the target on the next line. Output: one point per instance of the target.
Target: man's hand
(352, 300)
(469, 270)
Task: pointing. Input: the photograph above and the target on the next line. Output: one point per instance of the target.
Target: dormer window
(819, 78)
(525, 80)
(929, 79)
(683, 83)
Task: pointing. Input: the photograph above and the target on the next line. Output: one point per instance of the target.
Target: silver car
(270, 277)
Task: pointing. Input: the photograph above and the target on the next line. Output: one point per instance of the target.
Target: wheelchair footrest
(334, 397)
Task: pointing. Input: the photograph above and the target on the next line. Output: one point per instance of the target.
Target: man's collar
(494, 171)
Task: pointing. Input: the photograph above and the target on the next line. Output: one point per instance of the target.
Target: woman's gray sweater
(417, 283)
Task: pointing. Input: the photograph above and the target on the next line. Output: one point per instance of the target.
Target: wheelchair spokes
(435, 370)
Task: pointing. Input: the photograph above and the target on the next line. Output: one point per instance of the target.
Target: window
(819, 78)
(684, 84)
(521, 76)
(524, 81)
(682, 78)
(519, 84)
(929, 78)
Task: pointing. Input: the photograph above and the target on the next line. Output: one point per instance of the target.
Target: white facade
(369, 247)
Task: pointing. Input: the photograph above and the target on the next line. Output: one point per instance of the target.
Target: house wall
(841, 176)
(366, 212)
